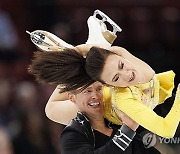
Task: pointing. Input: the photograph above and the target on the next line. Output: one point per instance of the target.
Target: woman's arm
(58, 105)
(165, 127)
(120, 51)
(84, 48)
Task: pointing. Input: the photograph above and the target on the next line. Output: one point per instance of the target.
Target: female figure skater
(136, 89)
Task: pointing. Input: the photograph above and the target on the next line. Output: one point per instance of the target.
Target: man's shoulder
(80, 125)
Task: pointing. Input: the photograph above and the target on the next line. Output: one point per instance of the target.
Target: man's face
(89, 101)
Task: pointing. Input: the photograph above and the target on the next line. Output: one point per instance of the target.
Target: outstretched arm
(84, 48)
(165, 127)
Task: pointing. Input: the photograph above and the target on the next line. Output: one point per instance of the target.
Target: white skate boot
(98, 32)
(47, 41)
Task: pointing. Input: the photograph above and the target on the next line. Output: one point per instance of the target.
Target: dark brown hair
(95, 62)
(65, 68)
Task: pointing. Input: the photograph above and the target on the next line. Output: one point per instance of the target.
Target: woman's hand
(126, 120)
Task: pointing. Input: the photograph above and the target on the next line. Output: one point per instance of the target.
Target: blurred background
(151, 30)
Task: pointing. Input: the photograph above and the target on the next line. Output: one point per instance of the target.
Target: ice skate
(98, 32)
(47, 41)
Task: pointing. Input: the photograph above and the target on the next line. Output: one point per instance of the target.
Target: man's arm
(58, 105)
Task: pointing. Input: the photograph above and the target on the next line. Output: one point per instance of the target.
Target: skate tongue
(109, 36)
(96, 33)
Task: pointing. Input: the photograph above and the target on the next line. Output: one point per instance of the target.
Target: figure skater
(136, 89)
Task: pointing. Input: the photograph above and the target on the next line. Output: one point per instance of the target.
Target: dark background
(151, 30)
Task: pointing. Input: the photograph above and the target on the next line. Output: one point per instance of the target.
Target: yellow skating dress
(129, 101)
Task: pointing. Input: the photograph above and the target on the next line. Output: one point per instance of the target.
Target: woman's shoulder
(127, 90)
(163, 75)
(108, 92)
(125, 93)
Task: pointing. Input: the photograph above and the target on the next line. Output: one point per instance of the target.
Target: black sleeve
(74, 142)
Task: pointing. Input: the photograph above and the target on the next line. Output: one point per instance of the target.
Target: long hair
(65, 68)
(95, 62)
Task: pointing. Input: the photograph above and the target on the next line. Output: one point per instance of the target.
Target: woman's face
(122, 72)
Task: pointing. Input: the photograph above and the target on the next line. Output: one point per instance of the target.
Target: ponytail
(65, 68)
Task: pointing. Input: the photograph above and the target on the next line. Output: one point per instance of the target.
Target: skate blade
(116, 28)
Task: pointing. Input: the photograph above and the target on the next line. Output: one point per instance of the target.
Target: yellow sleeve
(165, 127)
(106, 94)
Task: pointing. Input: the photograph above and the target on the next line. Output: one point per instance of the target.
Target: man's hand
(126, 120)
